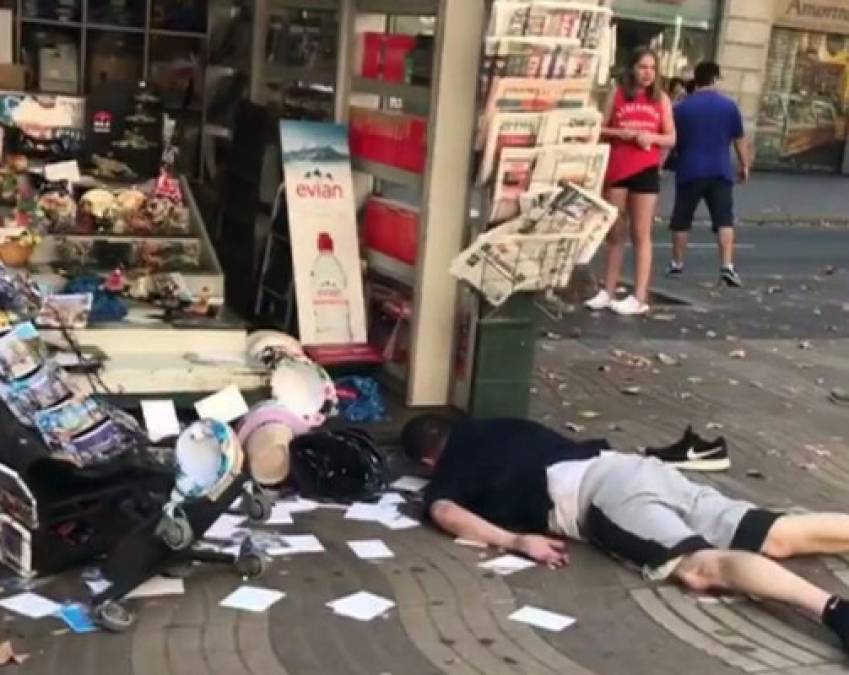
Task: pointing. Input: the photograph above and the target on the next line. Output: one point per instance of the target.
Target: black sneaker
(836, 617)
(674, 269)
(730, 277)
(694, 453)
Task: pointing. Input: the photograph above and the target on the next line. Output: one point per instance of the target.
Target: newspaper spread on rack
(540, 248)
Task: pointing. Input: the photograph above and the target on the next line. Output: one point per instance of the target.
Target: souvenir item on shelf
(20, 297)
(111, 169)
(152, 255)
(67, 310)
(21, 352)
(58, 207)
(115, 282)
(47, 387)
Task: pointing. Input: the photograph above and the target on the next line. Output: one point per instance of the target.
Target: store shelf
(399, 7)
(410, 93)
(283, 74)
(388, 173)
(114, 28)
(391, 268)
(59, 23)
(191, 34)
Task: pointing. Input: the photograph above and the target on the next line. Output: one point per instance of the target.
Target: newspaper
(524, 94)
(537, 57)
(570, 126)
(508, 130)
(509, 18)
(581, 164)
(501, 263)
(583, 22)
(514, 176)
(539, 249)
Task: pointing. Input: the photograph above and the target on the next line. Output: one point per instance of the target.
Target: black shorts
(718, 194)
(647, 182)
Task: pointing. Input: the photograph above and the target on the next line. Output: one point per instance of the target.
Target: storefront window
(803, 112)
(681, 31)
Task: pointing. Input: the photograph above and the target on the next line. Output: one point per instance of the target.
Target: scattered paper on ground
(470, 542)
(401, 523)
(225, 527)
(97, 586)
(302, 543)
(541, 618)
(8, 655)
(410, 484)
(363, 606)
(280, 515)
(373, 513)
(31, 605)
(391, 499)
(252, 599)
(160, 419)
(225, 406)
(298, 505)
(507, 564)
(157, 586)
(370, 549)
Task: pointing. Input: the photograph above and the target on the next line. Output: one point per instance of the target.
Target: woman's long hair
(629, 81)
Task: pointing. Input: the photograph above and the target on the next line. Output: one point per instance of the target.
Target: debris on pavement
(541, 618)
(506, 565)
(589, 414)
(631, 360)
(632, 391)
(362, 606)
(252, 599)
(8, 655)
(754, 473)
(805, 344)
(667, 360)
(737, 354)
(574, 428)
(713, 426)
(839, 396)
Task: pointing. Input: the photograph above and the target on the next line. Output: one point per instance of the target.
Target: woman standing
(638, 124)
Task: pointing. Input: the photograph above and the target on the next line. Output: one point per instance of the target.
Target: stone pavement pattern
(789, 449)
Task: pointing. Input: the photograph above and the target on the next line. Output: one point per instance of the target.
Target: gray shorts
(646, 513)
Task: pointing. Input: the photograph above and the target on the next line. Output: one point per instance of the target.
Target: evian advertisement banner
(323, 231)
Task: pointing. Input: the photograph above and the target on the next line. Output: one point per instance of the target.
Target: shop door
(802, 120)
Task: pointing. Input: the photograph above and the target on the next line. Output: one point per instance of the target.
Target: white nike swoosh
(694, 456)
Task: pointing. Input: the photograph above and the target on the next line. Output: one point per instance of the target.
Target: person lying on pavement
(519, 486)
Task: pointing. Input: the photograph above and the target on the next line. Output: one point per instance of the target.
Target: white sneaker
(599, 301)
(630, 306)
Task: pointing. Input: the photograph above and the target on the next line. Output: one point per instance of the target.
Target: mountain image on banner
(323, 153)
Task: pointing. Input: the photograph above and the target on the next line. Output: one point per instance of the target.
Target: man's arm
(460, 522)
(741, 147)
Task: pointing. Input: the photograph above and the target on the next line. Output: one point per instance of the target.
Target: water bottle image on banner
(330, 295)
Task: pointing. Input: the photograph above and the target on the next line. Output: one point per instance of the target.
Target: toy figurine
(115, 282)
(201, 306)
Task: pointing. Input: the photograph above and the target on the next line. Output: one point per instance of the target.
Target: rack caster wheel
(257, 507)
(113, 617)
(251, 565)
(176, 532)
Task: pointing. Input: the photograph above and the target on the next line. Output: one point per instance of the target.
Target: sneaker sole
(704, 465)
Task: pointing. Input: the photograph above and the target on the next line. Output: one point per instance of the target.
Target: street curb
(825, 222)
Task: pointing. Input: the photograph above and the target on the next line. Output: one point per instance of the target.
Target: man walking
(707, 123)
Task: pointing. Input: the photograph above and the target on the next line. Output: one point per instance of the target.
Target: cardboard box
(12, 77)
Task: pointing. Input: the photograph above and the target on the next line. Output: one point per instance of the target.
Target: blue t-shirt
(706, 123)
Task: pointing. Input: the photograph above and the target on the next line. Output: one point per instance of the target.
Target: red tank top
(640, 114)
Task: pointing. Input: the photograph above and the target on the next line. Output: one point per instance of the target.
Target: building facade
(787, 63)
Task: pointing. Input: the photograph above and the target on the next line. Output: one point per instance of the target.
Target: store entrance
(802, 121)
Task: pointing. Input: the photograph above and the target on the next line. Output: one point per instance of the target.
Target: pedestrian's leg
(679, 247)
(616, 238)
(750, 574)
(807, 534)
(641, 209)
(687, 198)
(725, 237)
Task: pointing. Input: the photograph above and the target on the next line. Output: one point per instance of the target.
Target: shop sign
(831, 16)
(323, 233)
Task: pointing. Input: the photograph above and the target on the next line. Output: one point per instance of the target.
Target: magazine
(65, 311)
(570, 126)
(581, 164)
(509, 18)
(513, 178)
(508, 130)
(536, 57)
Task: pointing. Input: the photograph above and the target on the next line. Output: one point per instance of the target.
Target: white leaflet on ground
(252, 599)
(507, 564)
(363, 606)
(410, 484)
(31, 605)
(157, 586)
(225, 527)
(541, 618)
(370, 549)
